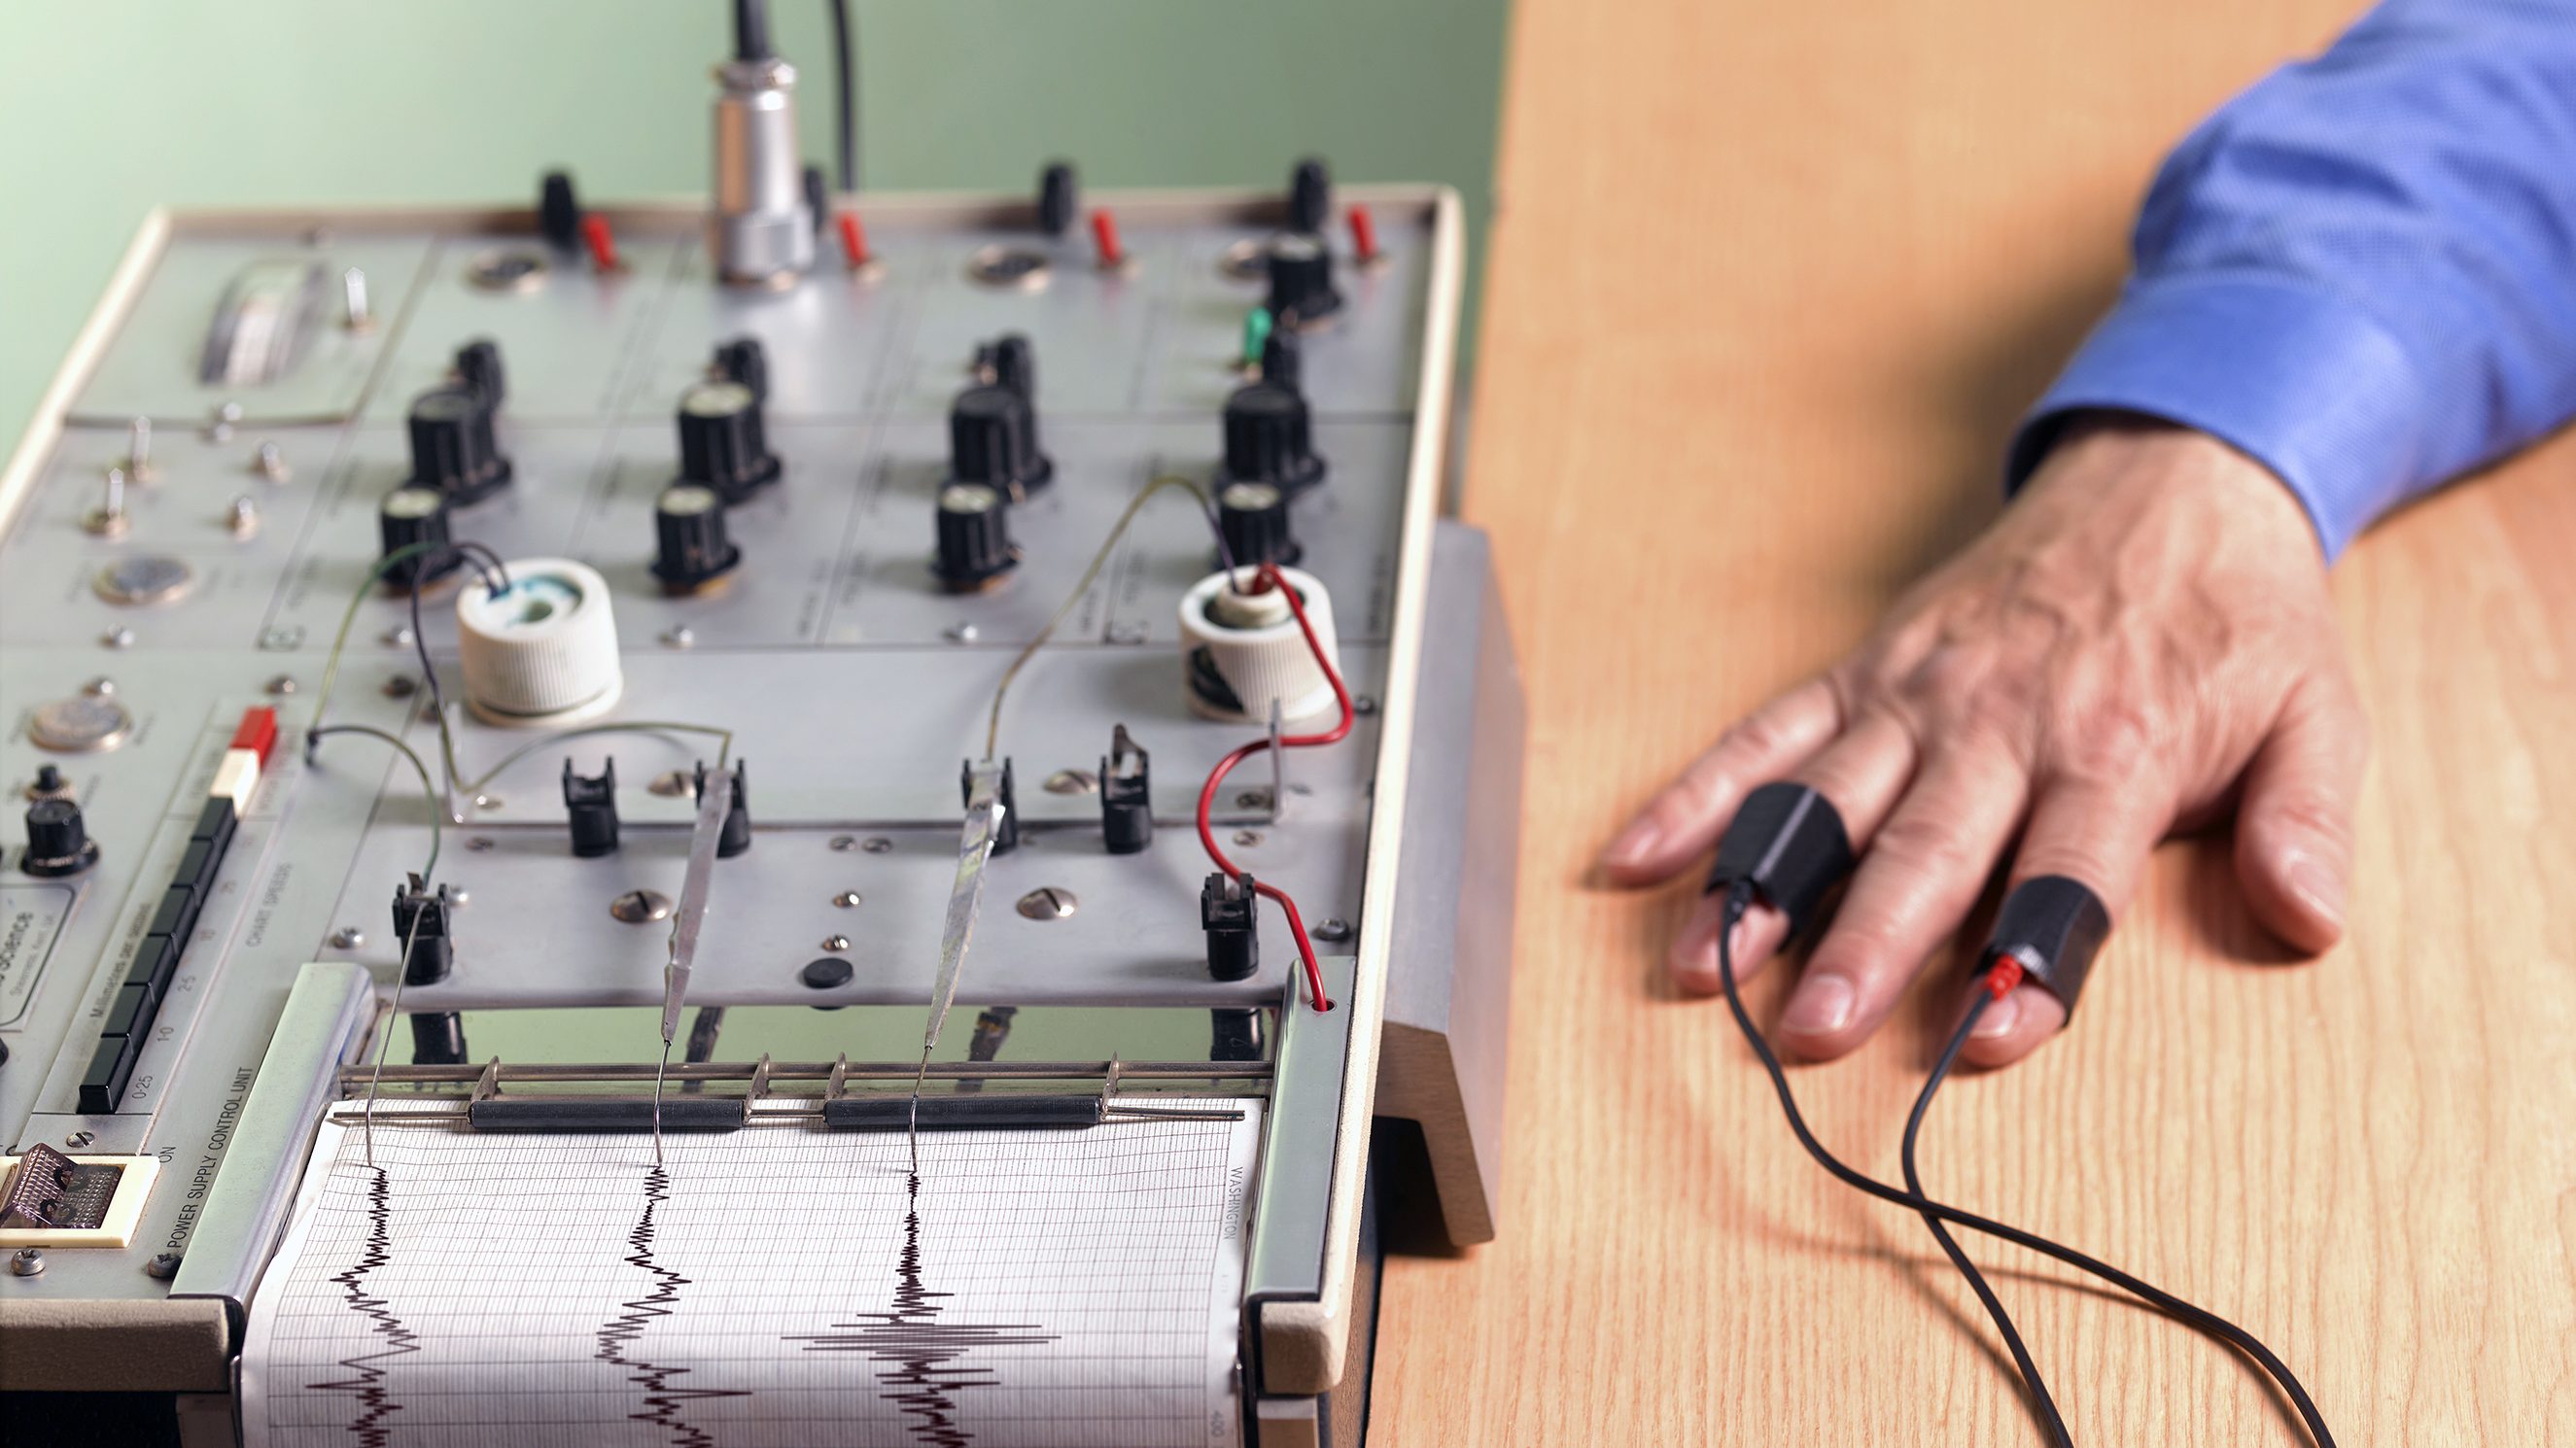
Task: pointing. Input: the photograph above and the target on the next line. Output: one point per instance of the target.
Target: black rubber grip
(2054, 926)
(605, 1113)
(961, 1113)
(1787, 842)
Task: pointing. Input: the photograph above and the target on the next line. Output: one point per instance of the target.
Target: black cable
(1739, 898)
(751, 30)
(845, 98)
(2041, 1403)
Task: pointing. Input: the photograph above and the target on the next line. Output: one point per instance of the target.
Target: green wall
(108, 107)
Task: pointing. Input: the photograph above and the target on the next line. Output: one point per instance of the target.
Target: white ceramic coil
(544, 650)
(1242, 651)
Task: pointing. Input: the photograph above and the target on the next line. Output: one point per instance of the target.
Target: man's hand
(2144, 633)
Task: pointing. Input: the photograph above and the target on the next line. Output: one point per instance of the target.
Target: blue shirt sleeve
(2362, 271)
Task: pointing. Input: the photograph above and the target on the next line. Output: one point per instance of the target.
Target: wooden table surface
(1769, 288)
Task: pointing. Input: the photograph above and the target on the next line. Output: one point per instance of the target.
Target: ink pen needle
(658, 1073)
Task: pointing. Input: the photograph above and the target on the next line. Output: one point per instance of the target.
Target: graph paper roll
(779, 1285)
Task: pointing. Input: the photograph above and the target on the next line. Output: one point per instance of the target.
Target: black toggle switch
(1009, 361)
(453, 448)
(974, 538)
(1126, 795)
(1301, 279)
(58, 842)
(414, 514)
(1269, 438)
(591, 806)
(559, 210)
(420, 932)
(691, 552)
(1253, 519)
(724, 443)
(734, 836)
(993, 438)
(1058, 198)
(1310, 196)
(478, 370)
(1226, 912)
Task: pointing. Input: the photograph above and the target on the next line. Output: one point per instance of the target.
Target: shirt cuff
(2294, 377)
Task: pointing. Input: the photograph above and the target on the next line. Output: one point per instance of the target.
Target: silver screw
(219, 427)
(398, 636)
(1072, 781)
(1252, 799)
(269, 461)
(78, 1139)
(138, 450)
(241, 517)
(673, 784)
(401, 686)
(963, 633)
(639, 907)
(101, 687)
(26, 1261)
(876, 844)
(282, 685)
(847, 899)
(845, 843)
(118, 638)
(1048, 902)
(348, 937)
(1335, 929)
(479, 844)
(1364, 704)
(1247, 838)
(164, 1266)
(108, 519)
(357, 315)
(680, 638)
(836, 942)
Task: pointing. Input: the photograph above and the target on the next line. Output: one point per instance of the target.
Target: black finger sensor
(2053, 926)
(1788, 844)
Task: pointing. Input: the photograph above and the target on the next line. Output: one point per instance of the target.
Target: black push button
(110, 1068)
(154, 963)
(215, 823)
(178, 913)
(197, 867)
(130, 1014)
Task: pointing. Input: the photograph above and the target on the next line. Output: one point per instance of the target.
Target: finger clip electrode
(1787, 842)
(2052, 926)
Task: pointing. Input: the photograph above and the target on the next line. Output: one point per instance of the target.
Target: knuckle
(1928, 839)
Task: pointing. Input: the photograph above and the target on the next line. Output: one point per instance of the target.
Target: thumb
(2294, 825)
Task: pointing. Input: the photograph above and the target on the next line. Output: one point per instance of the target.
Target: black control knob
(1253, 518)
(1058, 198)
(742, 360)
(590, 803)
(1009, 361)
(58, 842)
(478, 370)
(409, 515)
(974, 537)
(1283, 358)
(558, 210)
(1301, 279)
(453, 448)
(993, 438)
(724, 442)
(1310, 196)
(690, 550)
(1270, 438)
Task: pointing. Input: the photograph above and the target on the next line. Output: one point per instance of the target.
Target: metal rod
(549, 1071)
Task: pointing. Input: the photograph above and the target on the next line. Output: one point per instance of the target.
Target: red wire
(1269, 578)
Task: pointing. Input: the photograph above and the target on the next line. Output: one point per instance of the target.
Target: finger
(2013, 1027)
(1693, 958)
(2097, 832)
(1681, 823)
(2294, 826)
(1922, 874)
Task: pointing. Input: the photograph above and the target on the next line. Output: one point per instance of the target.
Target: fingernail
(2317, 888)
(1822, 1006)
(1998, 1020)
(1632, 846)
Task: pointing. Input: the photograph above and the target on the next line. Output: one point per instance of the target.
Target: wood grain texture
(1770, 286)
